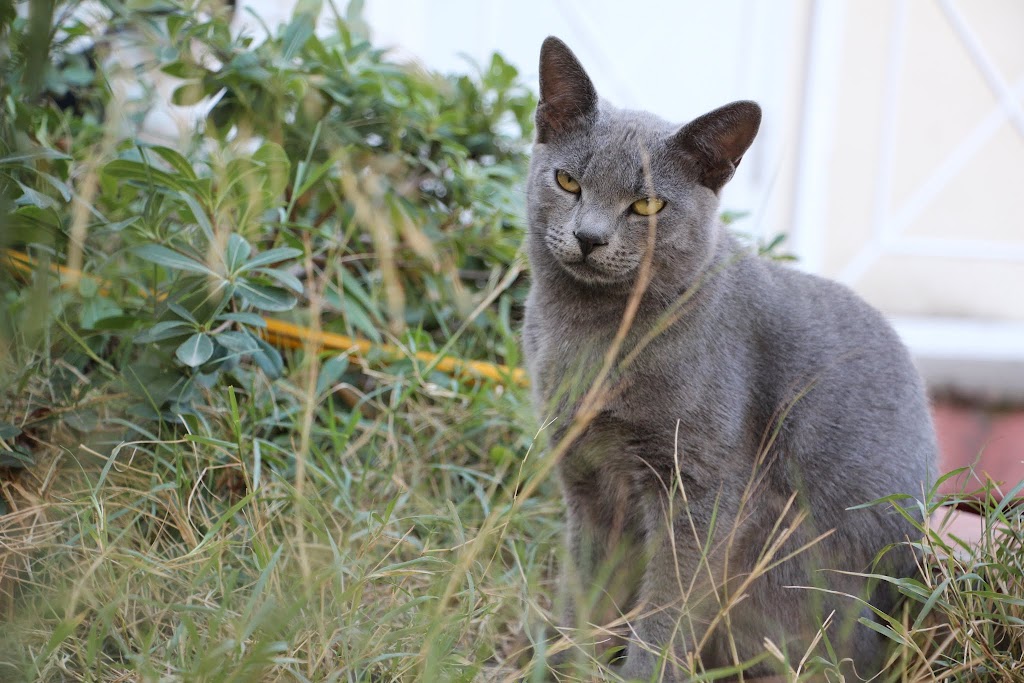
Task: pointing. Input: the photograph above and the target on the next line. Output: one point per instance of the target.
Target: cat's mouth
(585, 270)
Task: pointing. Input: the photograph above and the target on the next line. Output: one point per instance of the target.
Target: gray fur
(756, 345)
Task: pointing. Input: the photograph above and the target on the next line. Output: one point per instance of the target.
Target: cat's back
(815, 323)
(849, 378)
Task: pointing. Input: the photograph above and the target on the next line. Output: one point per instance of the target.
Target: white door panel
(917, 189)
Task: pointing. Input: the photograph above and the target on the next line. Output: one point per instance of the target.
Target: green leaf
(266, 298)
(237, 252)
(169, 258)
(188, 94)
(59, 185)
(167, 329)
(78, 75)
(272, 256)
(283, 278)
(296, 33)
(930, 602)
(199, 214)
(88, 287)
(310, 178)
(40, 153)
(269, 359)
(330, 372)
(175, 23)
(120, 225)
(357, 317)
(126, 169)
(195, 350)
(30, 197)
(177, 162)
(8, 431)
(183, 70)
(884, 630)
(277, 167)
(15, 459)
(237, 342)
(97, 309)
(183, 313)
(251, 319)
(117, 323)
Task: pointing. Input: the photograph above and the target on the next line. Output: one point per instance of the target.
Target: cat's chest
(566, 352)
(637, 386)
(659, 391)
(564, 355)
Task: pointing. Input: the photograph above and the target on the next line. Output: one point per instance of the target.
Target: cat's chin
(586, 273)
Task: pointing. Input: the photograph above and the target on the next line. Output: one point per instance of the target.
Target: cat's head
(600, 175)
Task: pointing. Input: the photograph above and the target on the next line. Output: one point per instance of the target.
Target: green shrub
(397, 187)
(258, 514)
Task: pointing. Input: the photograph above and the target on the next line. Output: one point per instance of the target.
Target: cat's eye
(567, 182)
(648, 206)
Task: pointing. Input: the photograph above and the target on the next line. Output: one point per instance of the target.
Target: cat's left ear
(719, 139)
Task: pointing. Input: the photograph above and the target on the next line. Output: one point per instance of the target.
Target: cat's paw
(640, 672)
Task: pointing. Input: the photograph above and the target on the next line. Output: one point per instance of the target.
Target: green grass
(420, 543)
(402, 551)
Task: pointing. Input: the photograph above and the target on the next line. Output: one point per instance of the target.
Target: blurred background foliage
(319, 156)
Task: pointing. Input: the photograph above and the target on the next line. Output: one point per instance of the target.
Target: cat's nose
(588, 241)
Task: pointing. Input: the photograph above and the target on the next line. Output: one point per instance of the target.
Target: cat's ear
(719, 139)
(567, 97)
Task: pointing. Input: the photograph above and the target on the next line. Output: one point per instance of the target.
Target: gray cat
(745, 408)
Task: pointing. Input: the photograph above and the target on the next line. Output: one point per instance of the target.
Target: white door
(912, 182)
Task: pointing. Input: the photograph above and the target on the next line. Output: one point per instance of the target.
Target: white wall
(912, 194)
(677, 59)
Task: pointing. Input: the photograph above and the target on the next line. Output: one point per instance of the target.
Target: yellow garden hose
(286, 335)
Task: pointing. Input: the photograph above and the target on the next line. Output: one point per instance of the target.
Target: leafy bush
(395, 185)
(330, 185)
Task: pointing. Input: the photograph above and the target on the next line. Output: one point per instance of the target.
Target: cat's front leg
(576, 579)
(601, 580)
(658, 639)
(676, 604)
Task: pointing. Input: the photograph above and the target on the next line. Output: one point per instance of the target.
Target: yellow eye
(567, 182)
(648, 206)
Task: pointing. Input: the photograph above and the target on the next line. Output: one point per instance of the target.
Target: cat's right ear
(567, 97)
